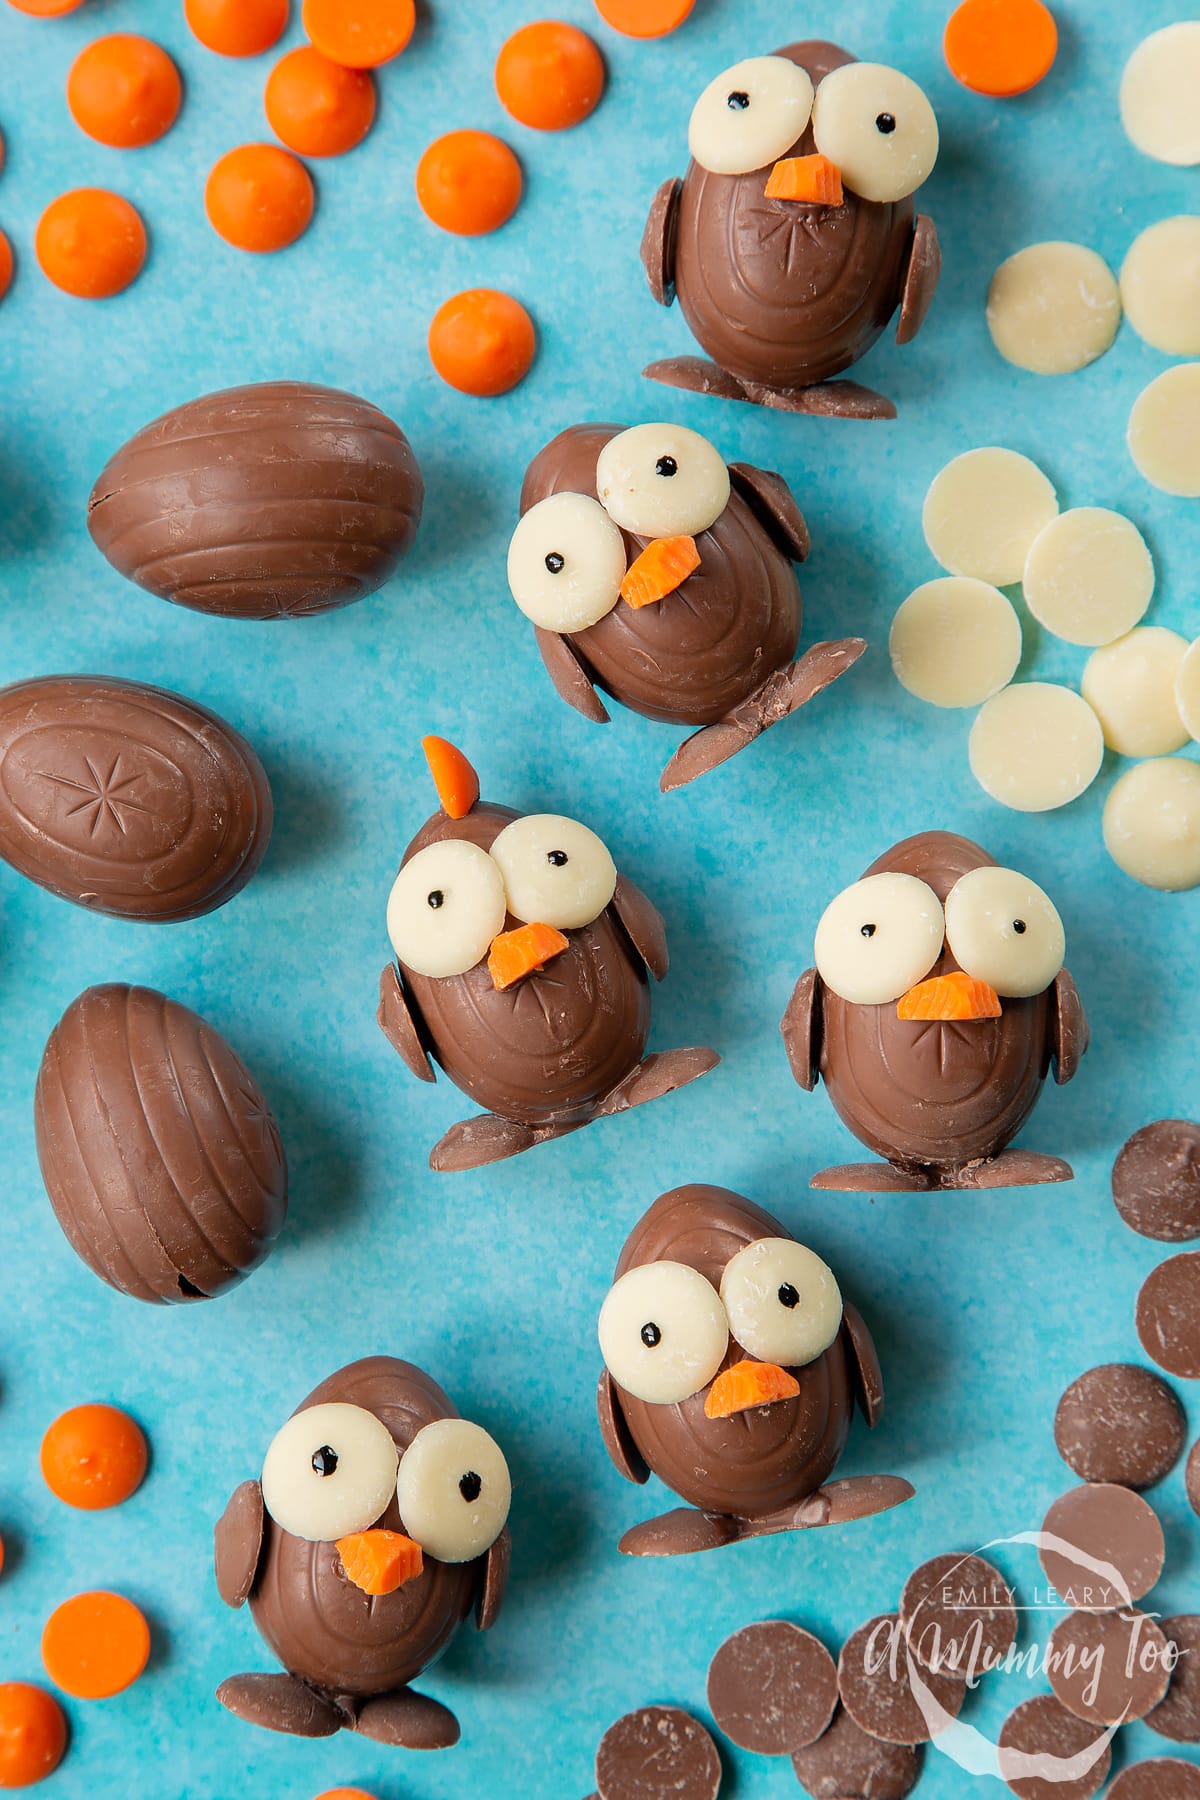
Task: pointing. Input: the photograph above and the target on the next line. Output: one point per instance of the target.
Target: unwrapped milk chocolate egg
(261, 502)
(159, 1153)
(127, 799)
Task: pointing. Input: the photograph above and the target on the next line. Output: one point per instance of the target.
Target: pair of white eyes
(883, 935)
(873, 122)
(566, 561)
(664, 1330)
(450, 900)
(333, 1469)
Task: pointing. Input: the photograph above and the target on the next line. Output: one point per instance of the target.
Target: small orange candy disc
(345, 1794)
(316, 107)
(482, 342)
(95, 1645)
(33, 1734)
(1001, 47)
(259, 198)
(644, 18)
(237, 27)
(6, 265)
(550, 75)
(469, 182)
(124, 91)
(46, 9)
(90, 243)
(360, 34)
(94, 1457)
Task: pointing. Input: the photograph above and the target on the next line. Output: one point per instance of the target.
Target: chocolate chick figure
(937, 1007)
(522, 964)
(791, 241)
(378, 1526)
(654, 571)
(732, 1370)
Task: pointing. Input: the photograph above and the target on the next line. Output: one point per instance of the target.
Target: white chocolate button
(663, 1332)
(1036, 746)
(1152, 823)
(1187, 689)
(1164, 431)
(955, 642)
(983, 512)
(1053, 308)
(1160, 285)
(783, 1302)
(878, 127)
(1089, 576)
(751, 115)
(453, 1490)
(1158, 94)
(662, 481)
(556, 871)
(566, 563)
(446, 905)
(1003, 929)
(1130, 686)
(329, 1471)
(879, 937)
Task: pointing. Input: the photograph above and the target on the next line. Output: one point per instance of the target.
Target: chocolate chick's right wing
(399, 1025)
(658, 241)
(1071, 1032)
(775, 507)
(623, 1453)
(571, 680)
(644, 925)
(238, 1543)
(802, 1030)
(864, 1364)
(493, 1580)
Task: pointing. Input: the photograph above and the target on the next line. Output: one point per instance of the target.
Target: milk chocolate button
(657, 1753)
(1192, 1477)
(1108, 1668)
(1043, 1728)
(886, 1692)
(772, 1688)
(959, 1615)
(848, 1764)
(1120, 1423)
(1178, 1716)
(1156, 1181)
(1110, 1550)
(1168, 1315)
(1162, 1778)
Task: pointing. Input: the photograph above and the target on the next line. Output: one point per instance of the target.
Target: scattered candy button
(95, 1645)
(482, 342)
(1164, 431)
(1053, 308)
(645, 18)
(1001, 47)
(550, 76)
(317, 107)
(237, 27)
(124, 91)
(360, 34)
(259, 198)
(90, 243)
(33, 1734)
(469, 182)
(1152, 823)
(93, 1457)
(1158, 94)
(1036, 746)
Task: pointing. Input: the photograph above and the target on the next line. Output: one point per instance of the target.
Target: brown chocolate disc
(1192, 1476)
(848, 1764)
(1178, 1717)
(656, 1752)
(1168, 1315)
(772, 1688)
(959, 1614)
(1162, 1778)
(1120, 1423)
(1156, 1181)
(1043, 1727)
(886, 1692)
(1108, 1668)
(1118, 1543)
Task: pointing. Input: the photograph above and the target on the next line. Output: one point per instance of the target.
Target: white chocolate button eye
(1004, 930)
(783, 1303)
(556, 872)
(331, 1470)
(662, 481)
(878, 938)
(751, 115)
(878, 127)
(566, 563)
(446, 905)
(453, 1490)
(663, 1332)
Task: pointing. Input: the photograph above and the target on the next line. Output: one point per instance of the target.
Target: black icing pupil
(886, 124)
(470, 1487)
(868, 931)
(787, 1295)
(558, 859)
(435, 899)
(666, 465)
(651, 1336)
(1020, 927)
(324, 1460)
(738, 101)
(555, 562)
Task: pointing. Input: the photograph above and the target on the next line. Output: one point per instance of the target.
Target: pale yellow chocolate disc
(1164, 430)
(1036, 746)
(1089, 576)
(1053, 308)
(983, 512)
(1160, 285)
(1152, 823)
(1159, 94)
(955, 642)
(1130, 686)
(1187, 690)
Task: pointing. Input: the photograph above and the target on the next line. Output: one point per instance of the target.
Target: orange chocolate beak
(515, 954)
(662, 566)
(745, 1385)
(809, 180)
(953, 996)
(379, 1561)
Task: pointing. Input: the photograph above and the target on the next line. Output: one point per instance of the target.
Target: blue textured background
(984, 1306)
